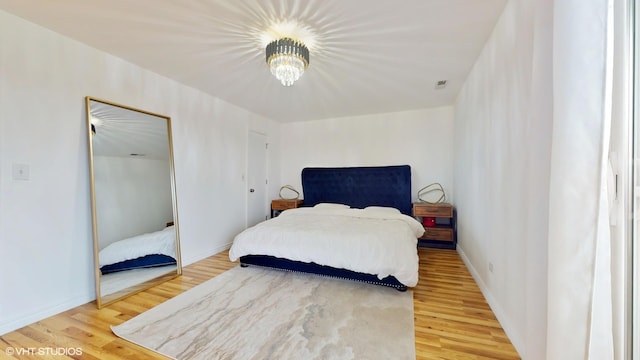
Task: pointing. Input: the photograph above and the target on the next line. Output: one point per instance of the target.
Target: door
(257, 208)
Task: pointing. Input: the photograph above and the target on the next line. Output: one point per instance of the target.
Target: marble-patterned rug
(257, 313)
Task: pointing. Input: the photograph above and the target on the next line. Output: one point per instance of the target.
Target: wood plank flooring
(452, 318)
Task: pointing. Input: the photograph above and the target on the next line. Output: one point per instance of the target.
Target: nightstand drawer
(285, 204)
(436, 210)
(434, 233)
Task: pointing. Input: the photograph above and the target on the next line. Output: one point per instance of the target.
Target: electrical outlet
(20, 172)
(490, 267)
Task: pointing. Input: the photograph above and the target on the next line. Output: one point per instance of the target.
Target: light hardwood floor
(452, 318)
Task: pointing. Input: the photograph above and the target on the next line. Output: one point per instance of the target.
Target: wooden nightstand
(443, 234)
(279, 205)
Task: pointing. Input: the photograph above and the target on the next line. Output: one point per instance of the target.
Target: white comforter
(371, 242)
(160, 242)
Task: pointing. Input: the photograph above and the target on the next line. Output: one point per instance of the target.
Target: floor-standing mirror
(134, 211)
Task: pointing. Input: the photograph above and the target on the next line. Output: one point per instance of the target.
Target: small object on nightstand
(434, 191)
(439, 222)
(277, 206)
(428, 221)
(291, 190)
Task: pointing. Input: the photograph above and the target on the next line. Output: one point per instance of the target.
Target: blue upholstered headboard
(359, 187)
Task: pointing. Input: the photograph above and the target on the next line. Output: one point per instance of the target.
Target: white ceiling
(367, 56)
(128, 132)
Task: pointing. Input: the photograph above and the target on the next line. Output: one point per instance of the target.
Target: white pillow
(382, 210)
(331, 206)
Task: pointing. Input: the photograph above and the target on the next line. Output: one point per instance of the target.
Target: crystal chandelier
(287, 58)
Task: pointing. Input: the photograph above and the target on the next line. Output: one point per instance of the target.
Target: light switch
(20, 172)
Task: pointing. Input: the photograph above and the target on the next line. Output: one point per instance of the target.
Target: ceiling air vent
(440, 84)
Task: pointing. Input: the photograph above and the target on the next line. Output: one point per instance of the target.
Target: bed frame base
(313, 268)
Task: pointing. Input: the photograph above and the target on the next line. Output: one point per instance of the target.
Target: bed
(147, 250)
(130, 262)
(356, 224)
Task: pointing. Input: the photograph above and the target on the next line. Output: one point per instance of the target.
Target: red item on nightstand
(429, 221)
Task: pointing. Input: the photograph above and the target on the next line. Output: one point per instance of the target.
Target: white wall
(501, 174)
(420, 138)
(46, 263)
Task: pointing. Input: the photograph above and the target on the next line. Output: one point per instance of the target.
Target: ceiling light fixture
(95, 122)
(287, 58)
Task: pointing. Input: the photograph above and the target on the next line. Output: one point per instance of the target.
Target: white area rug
(255, 313)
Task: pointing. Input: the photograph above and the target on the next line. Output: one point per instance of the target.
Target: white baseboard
(21, 321)
(18, 322)
(514, 336)
(205, 254)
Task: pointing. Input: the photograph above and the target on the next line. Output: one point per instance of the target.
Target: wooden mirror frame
(92, 129)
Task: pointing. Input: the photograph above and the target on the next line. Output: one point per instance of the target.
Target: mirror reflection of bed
(129, 263)
(136, 242)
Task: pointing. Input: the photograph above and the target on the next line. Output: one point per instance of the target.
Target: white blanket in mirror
(160, 242)
(371, 242)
